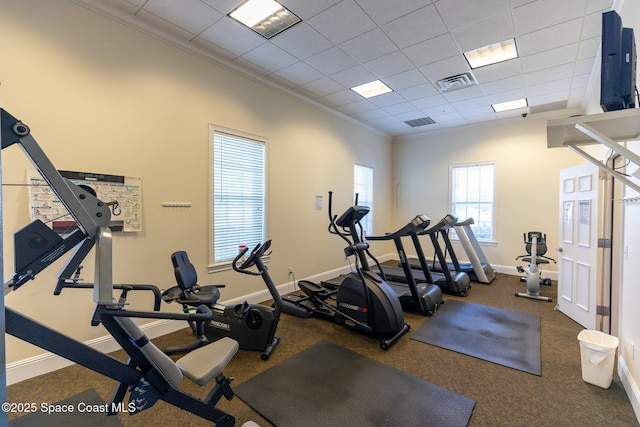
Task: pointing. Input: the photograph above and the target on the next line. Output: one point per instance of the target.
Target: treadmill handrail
(415, 226)
(468, 221)
(447, 222)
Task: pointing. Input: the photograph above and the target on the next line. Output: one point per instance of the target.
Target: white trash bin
(597, 352)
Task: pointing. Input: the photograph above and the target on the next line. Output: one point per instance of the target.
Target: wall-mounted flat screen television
(618, 65)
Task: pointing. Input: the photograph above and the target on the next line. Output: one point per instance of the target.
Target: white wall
(527, 179)
(629, 316)
(101, 97)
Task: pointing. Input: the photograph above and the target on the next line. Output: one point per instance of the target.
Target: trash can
(597, 352)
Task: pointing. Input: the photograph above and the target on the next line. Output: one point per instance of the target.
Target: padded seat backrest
(160, 361)
(185, 272)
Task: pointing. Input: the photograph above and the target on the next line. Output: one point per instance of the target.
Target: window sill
(481, 242)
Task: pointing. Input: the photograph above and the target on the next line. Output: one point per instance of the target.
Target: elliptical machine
(363, 301)
(536, 247)
(253, 326)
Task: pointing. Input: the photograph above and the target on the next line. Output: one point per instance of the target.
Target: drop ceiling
(408, 44)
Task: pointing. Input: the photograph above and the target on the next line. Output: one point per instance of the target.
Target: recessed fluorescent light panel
(371, 89)
(265, 17)
(510, 105)
(492, 54)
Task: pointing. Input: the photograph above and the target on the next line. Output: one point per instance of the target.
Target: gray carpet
(79, 417)
(505, 337)
(329, 385)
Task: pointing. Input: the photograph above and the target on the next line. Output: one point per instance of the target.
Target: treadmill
(450, 282)
(478, 269)
(422, 296)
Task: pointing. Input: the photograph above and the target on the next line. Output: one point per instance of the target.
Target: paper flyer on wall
(125, 192)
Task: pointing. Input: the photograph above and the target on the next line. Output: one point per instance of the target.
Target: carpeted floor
(504, 396)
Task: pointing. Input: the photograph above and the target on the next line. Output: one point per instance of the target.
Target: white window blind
(472, 196)
(363, 187)
(239, 194)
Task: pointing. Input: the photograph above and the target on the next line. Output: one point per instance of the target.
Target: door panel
(579, 257)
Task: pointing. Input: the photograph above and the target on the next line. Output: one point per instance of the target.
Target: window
(238, 199)
(363, 190)
(472, 196)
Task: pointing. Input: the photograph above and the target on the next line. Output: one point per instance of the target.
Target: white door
(579, 259)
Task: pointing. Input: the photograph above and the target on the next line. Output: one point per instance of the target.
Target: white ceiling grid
(408, 44)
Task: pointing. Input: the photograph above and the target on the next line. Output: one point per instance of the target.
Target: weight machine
(149, 375)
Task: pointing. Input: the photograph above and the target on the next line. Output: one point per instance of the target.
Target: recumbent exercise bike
(253, 326)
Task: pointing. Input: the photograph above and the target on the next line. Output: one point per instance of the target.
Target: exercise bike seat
(538, 260)
(188, 292)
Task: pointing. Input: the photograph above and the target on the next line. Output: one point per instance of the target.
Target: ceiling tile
(232, 36)
(599, 5)
(386, 99)
(446, 68)
(432, 50)
(405, 79)
(430, 101)
(353, 76)
(465, 99)
(586, 66)
(270, 57)
(299, 73)
(222, 6)
(301, 41)
(592, 26)
(421, 25)
(502, 85)
(549, 38)
(358, 107)
(342, 22)
(403, 107)
(343, 97)
(459, 13)
(550, 87)
(190, 15)
(331, 61)
(371, 114)
(306, 9)
(499, 71)
(547, 75)
(404, 43)
(493, 29)
(418, 92)
(389, 65)
(509, 95)
(323, 87)
(545, 13)
(550, 58)
(368, 46)
(548, 98)
(384, 11)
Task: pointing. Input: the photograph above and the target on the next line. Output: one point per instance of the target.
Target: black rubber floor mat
(505, 337)
(329, 385)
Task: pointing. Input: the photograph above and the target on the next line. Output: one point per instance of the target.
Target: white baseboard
(630, 386)
(507, 269)
(49, 362)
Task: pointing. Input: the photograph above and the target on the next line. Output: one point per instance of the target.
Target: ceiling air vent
(420, 122)
(456, 82)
